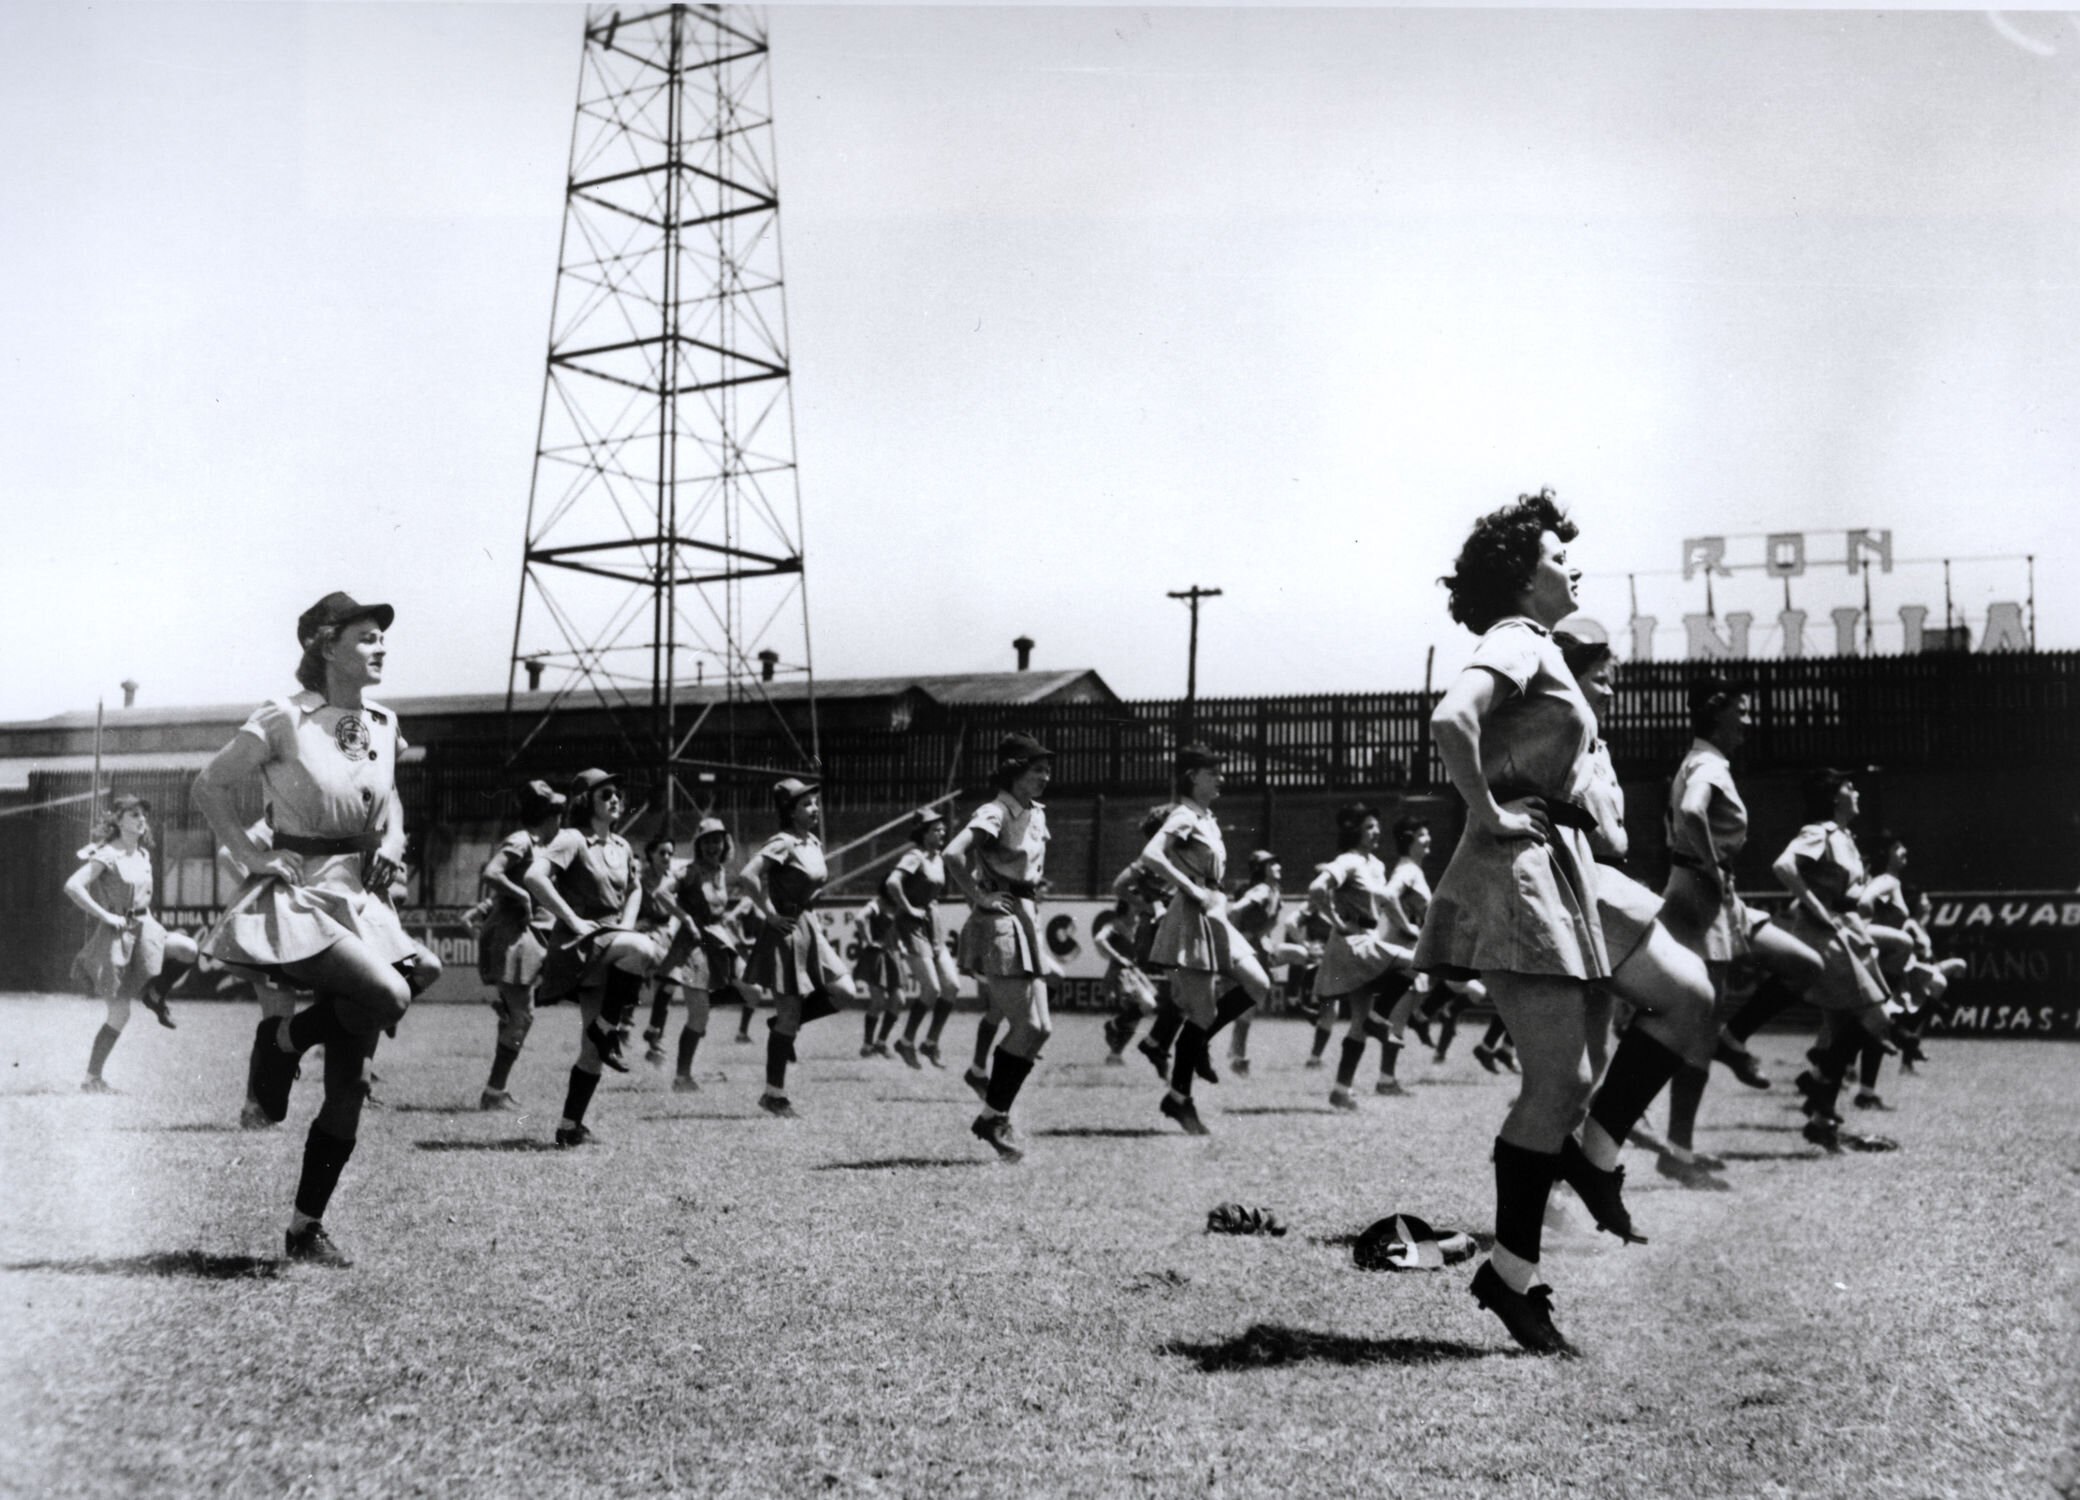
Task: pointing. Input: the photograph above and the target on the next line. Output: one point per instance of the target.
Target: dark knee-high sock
(1321, 1037)
(1770, 999)
(918, 1010)
(660, 1008)
(1523, 1181)
(502, 1066)
(985, 1034)
(1231, 1007)
(871, 1020)
(1124, 1024)
(1869, 1062)
(1239, 1043)
(1191, 1044)
(1347, 1064)
(940, 1012)
(1833, 1066)
(316, 1025)
(1168, 1022)
(1685, 1093)
(104, 1043)
(1389, 1054)
(161, 984)
(324, 1158)
(1639, 1070)
(624, 991)
(578, 1096)
(1007, 1075)
(1497, 1034)
(688, 1040)
(888, 1025)
(779, 1052)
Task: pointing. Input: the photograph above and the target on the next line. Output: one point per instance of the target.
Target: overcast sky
(1086, 305)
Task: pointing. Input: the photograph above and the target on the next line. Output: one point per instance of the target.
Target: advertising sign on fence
(2022, 952)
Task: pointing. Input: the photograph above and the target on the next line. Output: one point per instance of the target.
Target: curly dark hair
(1820, 788)
(1499, 558)
(1350, 823)
(1711, 696)
(1405, 830)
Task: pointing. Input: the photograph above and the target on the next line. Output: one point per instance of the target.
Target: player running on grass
(1361, 965)
(513, 938)
(315, 910)
(998, 862)
(126, 953)
(1215, 976)
(909, 897)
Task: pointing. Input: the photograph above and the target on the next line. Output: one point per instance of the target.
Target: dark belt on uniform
(359, 843)
(1701, 866)
(1024, 890)
(1565, 814)
(1615, 861)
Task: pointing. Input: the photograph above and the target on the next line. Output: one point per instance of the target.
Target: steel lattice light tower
(664, 532)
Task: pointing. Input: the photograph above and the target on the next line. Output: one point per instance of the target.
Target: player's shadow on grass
(1270, 1346)
(194, 1127)
(701, 1114)
(899, 1164)
(1813, 1155)
(192, 1265)
(435, 1109)
(1282, 1109)
(508, 1143)
(1107, 1132)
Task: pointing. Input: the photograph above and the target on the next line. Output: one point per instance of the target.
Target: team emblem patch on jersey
(351, 735)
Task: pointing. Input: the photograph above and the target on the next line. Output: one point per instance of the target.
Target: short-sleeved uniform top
(1188, 937)
(510, 915)
(1007, 856)
(112, 963)
(592, 872)
(1849, 974)
(921, 876)
(330, 773)
(1352, 890)
(1699, 896)
(1516, 905)
(802, 961)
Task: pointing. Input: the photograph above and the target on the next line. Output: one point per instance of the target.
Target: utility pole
(1191, 597)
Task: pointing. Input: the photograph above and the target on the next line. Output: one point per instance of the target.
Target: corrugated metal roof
(15, 771)
(962, 687)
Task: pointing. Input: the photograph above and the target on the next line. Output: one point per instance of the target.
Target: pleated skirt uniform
(270, 922)
(1516, 906)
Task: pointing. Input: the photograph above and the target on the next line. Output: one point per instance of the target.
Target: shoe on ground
(94, 1083)
(654, 1055)
(866, 1049)
(1239, 1066)
(777, 1106)
(1340, 1098)
(1158, 1057)
(1185, 1113)
(1115, 1060)
(1389, 1086)
(929, 1051)
(575, 1135)
(977, 1080)
(1527, 1315)
(996, 1131)
(1689, 1174)
(312, 1246)
(1824, 1133)
(1485, 1056)
(1708, 1161)
(252, 1117)
(652, 1036)
(1314, 1062)
(498, 1099)
(743, 1039)
(1872, 1099)
(907, 1051)
(1507, 1056)
(684, 1084)
(1856, 1141)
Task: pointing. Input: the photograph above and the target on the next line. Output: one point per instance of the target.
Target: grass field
(863, 1301)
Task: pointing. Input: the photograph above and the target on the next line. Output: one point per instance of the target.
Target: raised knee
(118, 1014)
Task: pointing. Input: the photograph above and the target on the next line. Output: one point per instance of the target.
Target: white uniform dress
(1699, 897)
(1189, 937)
(1625, 907)
(1009, 855)
(116, 963)
(1517, 906)
(330, 778)
(1352, 892)
(1833, 868)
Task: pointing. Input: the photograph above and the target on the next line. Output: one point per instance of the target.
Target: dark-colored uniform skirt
(800, 962)
(1190, 938)
(1001, 945)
